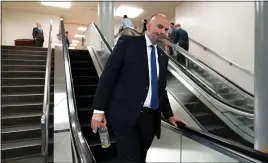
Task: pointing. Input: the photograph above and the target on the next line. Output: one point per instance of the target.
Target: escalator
(82, 68)
(85, 80)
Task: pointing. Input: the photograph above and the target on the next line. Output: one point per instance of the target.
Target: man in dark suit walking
(182, 40)
(131, 92)
(38, 35)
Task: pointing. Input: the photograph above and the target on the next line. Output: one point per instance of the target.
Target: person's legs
(128, 146)
(146, 136)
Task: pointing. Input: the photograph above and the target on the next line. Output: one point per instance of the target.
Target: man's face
(39, 25)
(158, 28)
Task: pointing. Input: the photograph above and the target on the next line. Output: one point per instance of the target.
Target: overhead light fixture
(71, 48)
(75, 41)
(78, 36)
(131, 12)
(73, 44)
(82, 28)
(59, 4)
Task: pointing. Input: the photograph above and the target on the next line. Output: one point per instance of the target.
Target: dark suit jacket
(37, 34)
(124, 83)
(181, 36)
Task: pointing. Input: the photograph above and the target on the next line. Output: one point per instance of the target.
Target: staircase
(85, 80)
(22, 90)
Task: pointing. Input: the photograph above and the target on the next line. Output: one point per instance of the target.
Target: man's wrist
(98, 111)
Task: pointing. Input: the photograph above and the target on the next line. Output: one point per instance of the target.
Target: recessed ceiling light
(131, 12)
(78, 36)
(56, 4)
(73, 44)
(82, 28)
(75, 41)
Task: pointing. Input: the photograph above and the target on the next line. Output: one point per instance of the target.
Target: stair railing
(46, 102)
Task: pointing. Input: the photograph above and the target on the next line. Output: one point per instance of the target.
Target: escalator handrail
(82, 149)
(200, 64)
(227, 106)
(46, 101)
(227, 147)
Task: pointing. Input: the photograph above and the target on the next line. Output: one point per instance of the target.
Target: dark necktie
(154, 80)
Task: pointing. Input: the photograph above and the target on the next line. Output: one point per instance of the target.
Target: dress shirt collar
(148, 41)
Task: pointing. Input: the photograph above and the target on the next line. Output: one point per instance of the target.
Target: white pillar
(261, 76)
(106, 20)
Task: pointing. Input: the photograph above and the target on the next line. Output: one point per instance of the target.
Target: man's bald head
(158, 25)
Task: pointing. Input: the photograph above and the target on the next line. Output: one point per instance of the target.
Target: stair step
(23, 108)
(21, 148)
(83, 80)
(28, 159)
(24, 73)
(24, 56)
(12, 120)
(83, 71)
(85, 89)
(9, 99)
(21, 132)
(29, 89)
(28, 52)
(24, 48)
(84, 64)
(23, 62)
(13, 81)
(23, 68)
(84, 101)
(212, 127)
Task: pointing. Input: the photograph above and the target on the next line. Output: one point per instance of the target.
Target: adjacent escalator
(85, 80)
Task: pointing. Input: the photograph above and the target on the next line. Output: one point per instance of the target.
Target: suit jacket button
(142, 103)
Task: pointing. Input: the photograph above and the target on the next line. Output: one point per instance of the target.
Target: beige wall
(228, 29)
(19, 25)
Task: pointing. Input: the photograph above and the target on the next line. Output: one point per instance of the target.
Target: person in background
(38, 35)
(126, 23)
(131, 92)
(67, 39)
(172, 36)
(144, 25)
(182, 40)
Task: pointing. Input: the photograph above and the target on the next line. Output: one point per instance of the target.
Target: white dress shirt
(147, 102)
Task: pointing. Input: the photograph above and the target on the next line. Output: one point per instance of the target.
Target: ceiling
(85, 12)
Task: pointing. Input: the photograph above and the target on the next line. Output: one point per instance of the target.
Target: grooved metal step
(24, 73)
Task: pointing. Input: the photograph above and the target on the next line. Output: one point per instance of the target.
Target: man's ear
(148, 25)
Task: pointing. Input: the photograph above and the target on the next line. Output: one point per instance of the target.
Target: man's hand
(97, 119)
(173, 120)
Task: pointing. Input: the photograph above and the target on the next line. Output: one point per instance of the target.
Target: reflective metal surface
(46, 101)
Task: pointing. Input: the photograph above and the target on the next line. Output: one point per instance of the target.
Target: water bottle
(104, 136)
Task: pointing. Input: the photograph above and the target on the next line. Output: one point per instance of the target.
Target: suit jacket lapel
(160, 62)
(144, 58)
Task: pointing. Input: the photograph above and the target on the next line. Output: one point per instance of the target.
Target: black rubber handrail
(82, 149)
(227, 147)
(249, 113)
